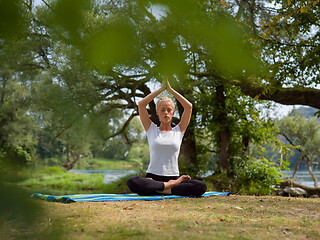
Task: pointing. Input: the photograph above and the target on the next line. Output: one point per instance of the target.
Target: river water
(113, 175)
(109, 175)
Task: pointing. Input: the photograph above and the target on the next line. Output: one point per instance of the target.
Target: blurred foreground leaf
(11, 18)
(15, 204)
(70, 14)
(110, 45)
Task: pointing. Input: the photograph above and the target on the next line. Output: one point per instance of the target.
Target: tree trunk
(223, 133)
(296, 168)
(76, 158)
(188, 152)
(68, 164)
(314, 178)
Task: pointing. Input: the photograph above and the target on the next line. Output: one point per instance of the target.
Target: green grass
(58, 181)
(55, 180)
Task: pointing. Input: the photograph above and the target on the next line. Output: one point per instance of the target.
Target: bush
(257, 176)
(252, 176)
(139, 155)
(16, 155)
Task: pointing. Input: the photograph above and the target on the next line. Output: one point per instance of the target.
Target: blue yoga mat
(113, 197)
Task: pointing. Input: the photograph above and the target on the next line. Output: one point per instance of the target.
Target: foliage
(54, 180)
(248, 130)
(139, 153)
(290, 31)
(254, 176)
(257, 176)
(17, 127)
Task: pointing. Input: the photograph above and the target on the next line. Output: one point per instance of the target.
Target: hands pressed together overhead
(166, 85)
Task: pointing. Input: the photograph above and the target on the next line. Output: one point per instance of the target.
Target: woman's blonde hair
(165, 99)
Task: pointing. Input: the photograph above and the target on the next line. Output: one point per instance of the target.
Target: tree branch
(48, 5)
(287, 96)
(124, 127)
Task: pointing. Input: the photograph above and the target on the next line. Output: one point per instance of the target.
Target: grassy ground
(232, 217)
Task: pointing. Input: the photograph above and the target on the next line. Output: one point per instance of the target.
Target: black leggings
(147, 186)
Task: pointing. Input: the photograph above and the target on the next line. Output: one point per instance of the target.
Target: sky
(37, 2)
(282, 110)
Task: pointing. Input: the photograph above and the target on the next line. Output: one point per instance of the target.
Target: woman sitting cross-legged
(164, 143)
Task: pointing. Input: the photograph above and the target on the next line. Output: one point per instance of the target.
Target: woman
(164, 144)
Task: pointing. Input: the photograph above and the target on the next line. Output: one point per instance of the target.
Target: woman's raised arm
(187, 106)
(142, 107)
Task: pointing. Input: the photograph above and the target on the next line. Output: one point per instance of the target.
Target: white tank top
(164, 150)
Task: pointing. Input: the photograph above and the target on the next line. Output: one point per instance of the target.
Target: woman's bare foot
(181, 179)
(168, 185)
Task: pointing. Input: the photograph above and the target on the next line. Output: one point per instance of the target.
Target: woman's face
(165, 112)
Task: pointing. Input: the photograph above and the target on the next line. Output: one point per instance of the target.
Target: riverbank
(101, 164)
(58, 181)
(232, 217)
(55, 180)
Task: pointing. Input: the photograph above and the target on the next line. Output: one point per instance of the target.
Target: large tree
(107, 53)
(93, 57)
(17, 74)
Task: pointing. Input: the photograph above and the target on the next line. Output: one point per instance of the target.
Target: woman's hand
(166, 85)
(187, 106)
(169, 88)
